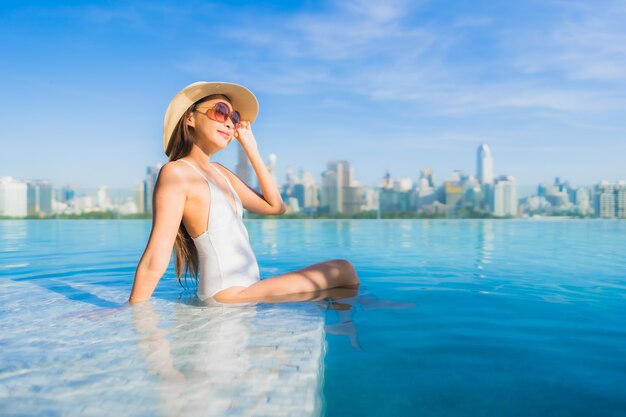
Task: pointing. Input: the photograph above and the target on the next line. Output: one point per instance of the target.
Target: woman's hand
(244, 135)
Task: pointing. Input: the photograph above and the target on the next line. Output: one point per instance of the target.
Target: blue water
(453, 318)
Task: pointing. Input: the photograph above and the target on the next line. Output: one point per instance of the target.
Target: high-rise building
(583, 202)
(336, 195)
(453, 196)
(13, 197)
(305, 190)
(243, 168)
(621, 200)
(505, 196)
(39, 197)
(610, 200)
(427, 178)
(67, 194)
(139, 198)
(484, 165)
(152, 174)
(103, 198)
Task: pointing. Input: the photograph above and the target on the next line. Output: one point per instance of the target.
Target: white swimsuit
(225, 256)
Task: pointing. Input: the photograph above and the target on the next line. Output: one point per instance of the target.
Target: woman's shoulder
(173, 171)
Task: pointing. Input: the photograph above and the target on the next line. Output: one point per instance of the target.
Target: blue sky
(394, 85)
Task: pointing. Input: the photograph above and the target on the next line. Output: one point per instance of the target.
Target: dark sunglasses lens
(221, 112)
(236, 117)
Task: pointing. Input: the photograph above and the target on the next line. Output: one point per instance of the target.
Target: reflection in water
(234, 360)
(344, 235)
(246, 359)
(484, 247)
(269, 234)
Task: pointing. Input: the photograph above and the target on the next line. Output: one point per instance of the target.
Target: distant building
(139, 197)
(271, 168)
(505, 196)
(336, 194)
(103, 198)
(583, 201)
(152, 174)
(39, 198)
(243, 168)
(484, 165)
(453, 196)
(427, 178)
(610, 200)
(66, 194)
(13, 197)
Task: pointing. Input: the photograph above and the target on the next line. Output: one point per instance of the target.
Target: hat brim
(239, 96)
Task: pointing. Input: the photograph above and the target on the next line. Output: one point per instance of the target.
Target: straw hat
(240, 97)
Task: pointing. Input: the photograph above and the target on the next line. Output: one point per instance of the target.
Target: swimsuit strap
(197, 170)
(227, 181)
(235, 196)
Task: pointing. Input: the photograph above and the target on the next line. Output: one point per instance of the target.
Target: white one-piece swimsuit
(225, 256)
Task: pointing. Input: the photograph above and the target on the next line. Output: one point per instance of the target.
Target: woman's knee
(347, 269)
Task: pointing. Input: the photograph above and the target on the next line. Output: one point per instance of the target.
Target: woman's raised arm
(168, 203)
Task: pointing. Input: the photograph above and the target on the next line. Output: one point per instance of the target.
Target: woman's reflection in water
(222, 360)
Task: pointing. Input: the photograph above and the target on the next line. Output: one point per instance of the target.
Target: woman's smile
(226, 134)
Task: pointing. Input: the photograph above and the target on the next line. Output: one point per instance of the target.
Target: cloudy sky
(395, 85)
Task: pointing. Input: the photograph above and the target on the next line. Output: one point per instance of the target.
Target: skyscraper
(152, 173)
(336, 183)
(610, 200)
(39, 197)
(13, 197)
(243, 168)
(505, 197)
(484, 165)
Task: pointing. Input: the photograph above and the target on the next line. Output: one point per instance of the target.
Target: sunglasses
(220, 112)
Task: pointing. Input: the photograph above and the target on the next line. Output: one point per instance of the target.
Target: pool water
(453, 318)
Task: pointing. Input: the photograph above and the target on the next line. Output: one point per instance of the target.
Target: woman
(198, 205)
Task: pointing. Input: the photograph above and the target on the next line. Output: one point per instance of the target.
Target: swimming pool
(454, 318)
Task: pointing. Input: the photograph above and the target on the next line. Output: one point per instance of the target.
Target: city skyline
(339, 191)
(394, 86)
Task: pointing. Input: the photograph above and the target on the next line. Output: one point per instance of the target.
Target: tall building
(139, 197)
(305, 191)
(271, 168)
(583, 202)
(152, 173)
(610, 200)
(453, 196)
(103, 197)
(336, 193)
(67, 194)
(243, 168)
(505, 196)
(13, 197)
(484, 165)
(427, 178)
(39, 197)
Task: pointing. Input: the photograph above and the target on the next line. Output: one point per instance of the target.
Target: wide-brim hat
(239, 96)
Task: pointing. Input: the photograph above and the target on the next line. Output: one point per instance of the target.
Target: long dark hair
(179, 146)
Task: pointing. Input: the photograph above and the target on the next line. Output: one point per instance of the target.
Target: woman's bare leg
(316, 277)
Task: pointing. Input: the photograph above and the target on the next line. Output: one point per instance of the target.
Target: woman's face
(210, 134)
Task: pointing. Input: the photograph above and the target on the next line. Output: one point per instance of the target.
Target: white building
(337, 183)
(402, 184)
(583, 201)
(13, 197)
(484, 165)
(505, 196)
(103, 197)
(611, 200)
